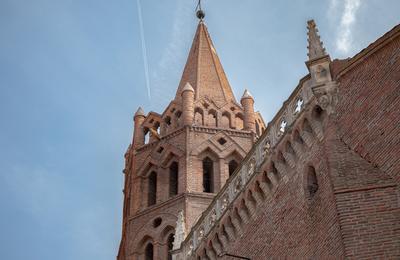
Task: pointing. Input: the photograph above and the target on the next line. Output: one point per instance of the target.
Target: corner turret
(187, 104)
(138, 134)
(247, 102)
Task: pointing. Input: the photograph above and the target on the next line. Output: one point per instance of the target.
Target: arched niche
(239, 121)
(212, 118)
(226, 120)
(198, 116)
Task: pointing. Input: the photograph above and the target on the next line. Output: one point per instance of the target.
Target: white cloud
(170, 64)
(348, 18)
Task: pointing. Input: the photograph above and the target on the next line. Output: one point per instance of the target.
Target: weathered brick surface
(355, 213)
(370, 223)
(292, 225)
(206, 124)
(369, 108)
(368, 125)
(354, 152)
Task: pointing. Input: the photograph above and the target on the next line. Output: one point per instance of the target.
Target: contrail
(144, 52)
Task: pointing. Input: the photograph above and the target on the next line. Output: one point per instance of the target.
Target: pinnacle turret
(315, 45)
(247, 94)
(139, 112)
(187, 87)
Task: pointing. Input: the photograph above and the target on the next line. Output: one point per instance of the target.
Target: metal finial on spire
(199, 12)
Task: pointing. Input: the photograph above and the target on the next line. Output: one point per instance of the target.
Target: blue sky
(72, 74)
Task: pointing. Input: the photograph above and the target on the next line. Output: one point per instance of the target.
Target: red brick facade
(328, 189)
(203, 122)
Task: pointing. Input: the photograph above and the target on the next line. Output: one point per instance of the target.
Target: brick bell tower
(181, 158)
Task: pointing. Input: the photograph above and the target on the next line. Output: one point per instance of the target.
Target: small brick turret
(247, 102)
(188, 104)
(138, 134)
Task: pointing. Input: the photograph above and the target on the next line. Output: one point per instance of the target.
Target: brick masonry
(354, 152)
(203, 121)
(355, 212)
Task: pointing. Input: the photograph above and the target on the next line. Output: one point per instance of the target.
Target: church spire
(203, 69)
(315, 45)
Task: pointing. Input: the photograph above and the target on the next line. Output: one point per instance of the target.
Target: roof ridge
(210, 43)
(370, 49)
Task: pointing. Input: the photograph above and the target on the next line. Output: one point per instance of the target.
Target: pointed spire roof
(203, 70)
(139, 112)
(187, 87)
(315, 45)
(247, 94)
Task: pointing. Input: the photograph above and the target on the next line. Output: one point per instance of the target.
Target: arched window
(170, 245)
(208, 175)
(146, 135)
(152, 190)
(149, 252)
(312, 182)
(212, 118)
(225, 120)
(198, 116)
(232, 167)
(239, 121)
(178, 118)
(173, 179)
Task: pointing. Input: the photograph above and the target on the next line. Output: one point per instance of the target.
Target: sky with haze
(73, 72)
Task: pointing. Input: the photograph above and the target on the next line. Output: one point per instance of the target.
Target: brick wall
(355, 212)
(369, 108)
(291, 224)
(368, 152)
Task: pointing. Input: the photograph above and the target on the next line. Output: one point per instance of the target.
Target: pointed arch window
(312, 181)
(149, 252)
(232, 167)
(208, 175)
(173, 179)
(170, 243)
(152, 189)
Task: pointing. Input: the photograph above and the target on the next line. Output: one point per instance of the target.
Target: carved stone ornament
(190, 251)
(213, 217)
(180, 232)
(251, 167)
(326, 96)
(267, 147)
(238, 184)
(224, 202)
(200, 234)
(324, 101)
